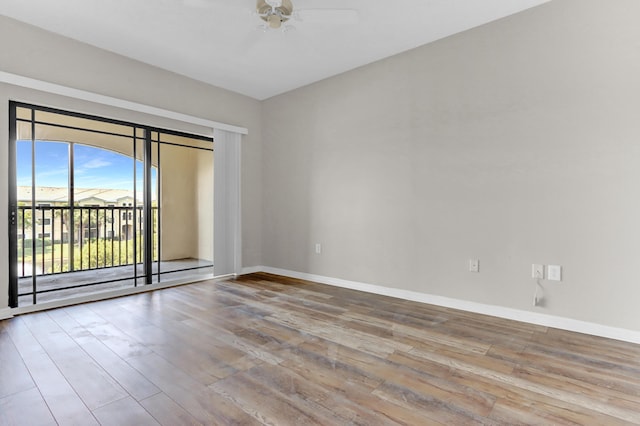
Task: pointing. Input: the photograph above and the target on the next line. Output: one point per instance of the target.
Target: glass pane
(51, 207)
(25, 221)
(52, 173)
(186, 141)
(139, 203)
(186, 212)
(23, 113)
(23, 130)
(204, 206)
(118, 144)
(105, 213)
(23, 170)
(103, 175)
(83, 123)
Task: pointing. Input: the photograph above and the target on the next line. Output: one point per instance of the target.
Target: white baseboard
(6, 313)
(536, 318)
(252, 270)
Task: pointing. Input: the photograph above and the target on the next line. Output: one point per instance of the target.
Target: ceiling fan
(275, 13)
(278, 14)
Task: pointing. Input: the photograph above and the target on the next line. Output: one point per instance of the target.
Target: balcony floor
(119, 277)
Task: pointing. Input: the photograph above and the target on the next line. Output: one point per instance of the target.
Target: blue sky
(94, 167)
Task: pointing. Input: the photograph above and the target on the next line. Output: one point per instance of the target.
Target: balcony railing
(62, 239)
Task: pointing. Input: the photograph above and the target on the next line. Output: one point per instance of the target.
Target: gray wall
(34, 53)
(515, 143)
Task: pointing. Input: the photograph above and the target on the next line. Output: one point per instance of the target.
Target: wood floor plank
(430, 407)
(65, 404)
(176, 350)
(114, 338)
(133, 382)
(598, 377)
(585, 357)
(589, 400)
(327, 403)
(202, 403)
(89, 380)
(167, 412)
(265, 405)
(264, 349)
(236, 351)
(325, 368)
(520, 412)
(14, 375)
(125, 411)
(612, 403)
(26, 408)
(487, 362)
(606, 349)
(213, 355)
(528, 404)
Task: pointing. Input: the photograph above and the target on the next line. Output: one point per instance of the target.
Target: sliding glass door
(99, 204)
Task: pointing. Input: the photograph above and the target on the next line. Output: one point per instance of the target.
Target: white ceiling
(217, 41)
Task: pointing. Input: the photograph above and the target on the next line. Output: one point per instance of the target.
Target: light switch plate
(474, 265)
(554, 273)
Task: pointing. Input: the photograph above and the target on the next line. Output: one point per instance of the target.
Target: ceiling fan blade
(328, 16)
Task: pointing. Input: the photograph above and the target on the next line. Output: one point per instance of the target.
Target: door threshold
(111, 294)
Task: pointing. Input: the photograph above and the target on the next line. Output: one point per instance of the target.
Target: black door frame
(13, 211)
(147, 203)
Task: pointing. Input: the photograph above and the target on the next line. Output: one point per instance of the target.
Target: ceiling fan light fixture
(274, 21)
(274, 12)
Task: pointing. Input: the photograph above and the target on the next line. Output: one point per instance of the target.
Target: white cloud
(52, 172)
(96, 163)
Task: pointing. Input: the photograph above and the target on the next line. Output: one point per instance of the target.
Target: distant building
(99, 213)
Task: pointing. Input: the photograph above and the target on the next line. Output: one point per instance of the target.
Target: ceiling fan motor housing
(272, 14)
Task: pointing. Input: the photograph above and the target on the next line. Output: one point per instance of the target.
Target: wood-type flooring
(264, 349)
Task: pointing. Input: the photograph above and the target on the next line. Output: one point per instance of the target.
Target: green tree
(98, 253)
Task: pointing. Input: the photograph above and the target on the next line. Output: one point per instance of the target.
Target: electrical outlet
(318, 248)
(474, 265)
(554, 273)
(537, 271)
